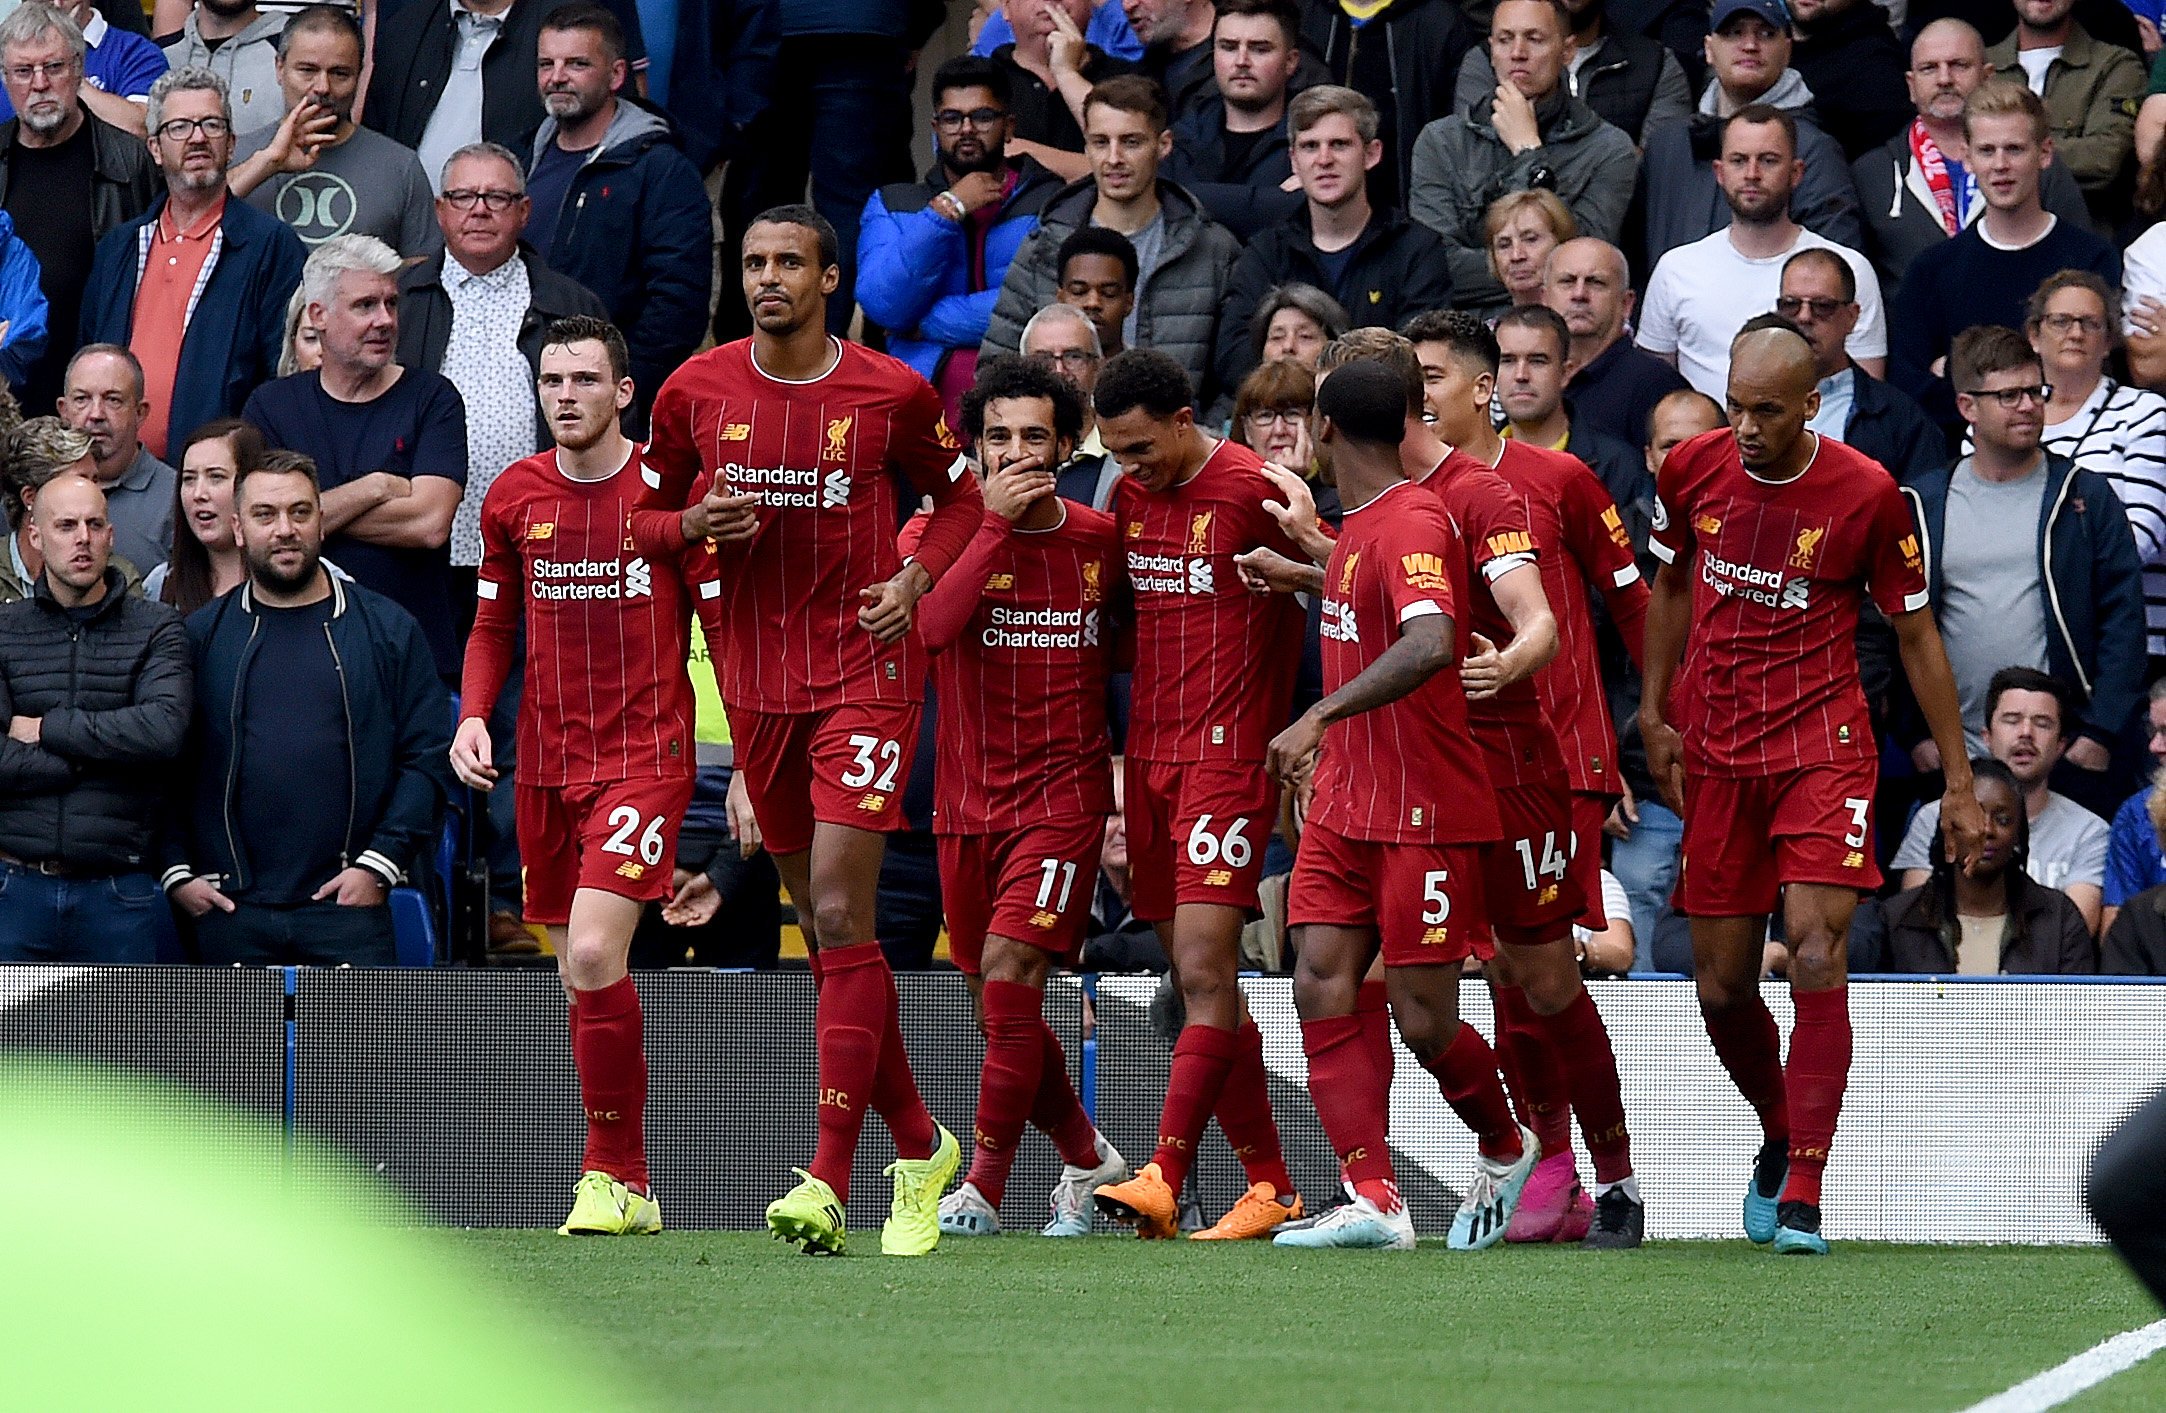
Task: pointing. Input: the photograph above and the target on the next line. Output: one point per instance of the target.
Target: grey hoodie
(248, 63)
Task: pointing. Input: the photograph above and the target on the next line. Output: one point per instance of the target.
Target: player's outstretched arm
(1932, 683)
(1489, 669)
(1669, 616)
(1425, 646)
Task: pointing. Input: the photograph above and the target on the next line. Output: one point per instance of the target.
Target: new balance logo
(873, 803)
(835, 490)
(1854, 859)
(1044, 921)
(1436, 936)
(632, 869)
(1218, 878)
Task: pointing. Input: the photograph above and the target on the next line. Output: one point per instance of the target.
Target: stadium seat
(414, 928)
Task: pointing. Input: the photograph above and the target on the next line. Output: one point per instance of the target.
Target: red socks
(895, 1095)
(1372, 1007)
(1467, 1073)
(1201, 1059)
(1057, 1111)
(851, 1024)
(1533, 1069)
(1244, 1113)
(1751, 1050)
(608, 1052)
(1008, 1086)
(1342, 1082)
(1581, 1041)
(1819, 1071)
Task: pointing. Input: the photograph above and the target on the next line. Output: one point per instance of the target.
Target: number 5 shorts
(847, 764)
(1747, 837)
(1423, 900)
(1034, 884)
(1196, 833)
(619, 836)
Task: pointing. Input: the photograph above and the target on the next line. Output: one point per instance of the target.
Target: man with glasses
(206, 330)
(119, 68)
(931, 253)
(67, 176)
(1063, 338)
(1820, 296)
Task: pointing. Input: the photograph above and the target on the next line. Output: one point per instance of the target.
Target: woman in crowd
(206, 560)
(304, 341)
(1271, 413)
(1996, 922)
(1522, 229)
(1295, 321)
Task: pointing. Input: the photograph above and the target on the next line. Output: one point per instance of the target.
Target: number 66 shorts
(1196, 833)
(619, 836)
(1746, 837)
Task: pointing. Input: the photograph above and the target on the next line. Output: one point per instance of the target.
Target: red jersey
(1405, 772)
(1021, 658)
(607, 630)
(1517, 741)
(1214, 663)
(1576, 522)
(833, 460)
(1770, 673)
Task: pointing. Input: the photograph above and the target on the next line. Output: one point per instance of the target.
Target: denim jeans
(1646, 864)
(101, 921)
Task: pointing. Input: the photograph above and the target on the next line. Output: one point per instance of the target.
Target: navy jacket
(722, 75)
(417, 42)
(1247, 199)
(636, 229)
(238, 329)
(1887, 424)
(913, 265)
(398, 749)
(2094, 589)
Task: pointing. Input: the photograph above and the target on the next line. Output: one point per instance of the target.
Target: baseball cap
(1775, 12)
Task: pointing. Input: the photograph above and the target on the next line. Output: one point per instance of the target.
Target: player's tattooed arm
(1489, 669)
(1424, 648)
(1296, 513)
(1932, 684)
(1669, 615)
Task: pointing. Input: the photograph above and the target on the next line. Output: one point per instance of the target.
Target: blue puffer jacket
(913, 265)
(22, 305)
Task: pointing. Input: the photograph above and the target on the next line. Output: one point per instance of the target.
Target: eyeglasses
(952, 119)
(30, 73)
(1790, 306)
(181, 129)
(1071, 359)
(2062, 323)
(2015, 397)
(464, 198)
(1265, 416)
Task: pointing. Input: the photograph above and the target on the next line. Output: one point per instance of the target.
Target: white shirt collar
(95, 31)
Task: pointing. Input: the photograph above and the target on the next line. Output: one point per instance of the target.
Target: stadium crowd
(282, 278)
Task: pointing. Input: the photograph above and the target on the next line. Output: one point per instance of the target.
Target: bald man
(1617, 385)
(1901, 197)
(1789, 531)
(94, 690)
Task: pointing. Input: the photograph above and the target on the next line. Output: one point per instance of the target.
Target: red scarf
(1934, 167)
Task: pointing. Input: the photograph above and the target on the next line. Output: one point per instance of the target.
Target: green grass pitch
(727, 1320)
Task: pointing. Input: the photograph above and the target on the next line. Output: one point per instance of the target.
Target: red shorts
(1033, 884)
(845, 765)
(619, 836)
(1532, 882)
(1746, 837)
(1589, 814)
(1196, 833)
(1423, 900)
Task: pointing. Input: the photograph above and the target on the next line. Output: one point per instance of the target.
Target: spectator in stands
(302, 351)
(2091, 91)
(2031, 560)
(116, 68)
(1381, 267)
(1531, 133)
(1615, 385)
(1062, 337)
(1610, 951)
(386, 443)
(102, 397)
(1403, 57)
(2135, 945)
(1177, 48)
(301, 675)
(1232, 151)
(1051, 69)
(25, 313)
(2103, 425)
(2025, 715)
(239, 43)
(1918, 189)
(614, 205)
(1850, 59)
(315, 169)
(932, 253)
(1820, 296)
(1984, 274)
(2143, 278)
(1295, 321)
(1700, 293)
(1630, 80)
(1749, 51)
(1107, 28)
(2135, 858)
(476, 312)
(1520, 231)
(66, 176)
(206, 560)
(205, 332)
(1993, 920)
(1098, 270)
(1535, 361)
(31, 454)
(94, 686)
(1184, 258)
(1271, 418)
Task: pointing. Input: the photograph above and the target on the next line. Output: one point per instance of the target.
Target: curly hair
(1011, 375)
(1145, 378)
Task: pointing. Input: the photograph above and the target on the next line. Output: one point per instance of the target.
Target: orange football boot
(1255, 1215)
(1143, 1202)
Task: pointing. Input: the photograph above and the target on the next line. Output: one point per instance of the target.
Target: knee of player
(1818, 960)
(837, 924)
(591, 960)
(1015, 962)
(1427, 1033)
(1718, 995)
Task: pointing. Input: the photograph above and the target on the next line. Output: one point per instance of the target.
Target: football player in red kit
(1770, 536)
(798, 453)
(1023, 788)
(605, 733)
(1213, 683)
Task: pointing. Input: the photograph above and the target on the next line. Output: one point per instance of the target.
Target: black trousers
(2127, 1192)
(307, 934)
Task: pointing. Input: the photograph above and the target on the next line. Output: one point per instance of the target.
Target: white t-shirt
(2143, 271)
(1615, 905)
(2068, 843)
(1701, 294)
(2035, 62)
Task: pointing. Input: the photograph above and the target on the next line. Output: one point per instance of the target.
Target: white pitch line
(2095, 1365)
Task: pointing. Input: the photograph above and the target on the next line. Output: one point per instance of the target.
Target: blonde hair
(2006, 98)
(1555, 214)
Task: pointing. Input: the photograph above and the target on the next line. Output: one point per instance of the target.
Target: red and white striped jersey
(1020, 665)
(1575, 520)
(1516, 738)
(1770, 675)
(606, 695)
(1406, 772)
(1214, 663)
(838, 462)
